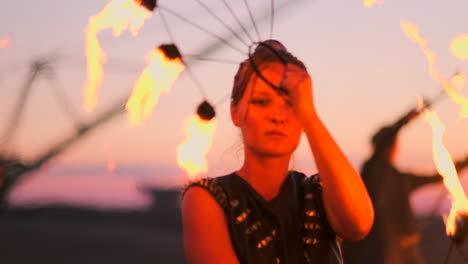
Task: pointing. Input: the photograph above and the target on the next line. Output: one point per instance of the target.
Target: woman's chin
(276, 151)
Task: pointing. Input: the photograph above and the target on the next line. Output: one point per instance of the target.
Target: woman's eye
(261, 102)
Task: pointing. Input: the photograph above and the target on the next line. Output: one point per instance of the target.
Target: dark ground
(55, 235)
(435, 244)
(68, 235)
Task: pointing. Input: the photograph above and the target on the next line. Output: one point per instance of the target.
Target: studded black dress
(292, 228)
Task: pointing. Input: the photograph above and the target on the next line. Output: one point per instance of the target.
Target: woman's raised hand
(298, 83)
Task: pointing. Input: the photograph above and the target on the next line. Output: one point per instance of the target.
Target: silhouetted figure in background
(394, 236)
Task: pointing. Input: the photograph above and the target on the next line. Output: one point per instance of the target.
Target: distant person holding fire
(394, 237)
(264, 213)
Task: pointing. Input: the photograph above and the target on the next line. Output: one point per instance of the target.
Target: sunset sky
(366, 73)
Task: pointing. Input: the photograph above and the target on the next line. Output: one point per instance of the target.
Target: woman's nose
(278, 113)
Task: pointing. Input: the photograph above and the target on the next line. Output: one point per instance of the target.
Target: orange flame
(370, 3)
(157, 77)
(442, 158)
(5, 42)
(191, 152)
(117, 15)
(459, 47)
(446, 168)
(412, 31)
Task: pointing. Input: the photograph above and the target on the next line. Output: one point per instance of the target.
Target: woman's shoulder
(216, 187)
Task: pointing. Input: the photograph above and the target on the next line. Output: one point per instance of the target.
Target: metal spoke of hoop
(202, 29)
(234, 33)
(272, 20)
(253, 20)
(238, 21)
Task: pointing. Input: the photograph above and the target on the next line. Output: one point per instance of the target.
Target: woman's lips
(275, 133)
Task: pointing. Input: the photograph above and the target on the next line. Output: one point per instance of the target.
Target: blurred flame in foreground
(192, 151)
(158, 76)
(5, 42)
(370, 3)
(446, 168)
(459, 47)
(117, 15)
(412, 32)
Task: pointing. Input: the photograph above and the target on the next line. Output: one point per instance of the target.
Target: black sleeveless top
(291, 228)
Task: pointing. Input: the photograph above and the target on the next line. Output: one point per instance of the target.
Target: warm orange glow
(446, 168)
(370, 3)
(117, 15)
(5, 42)
(111, 166)
(192, 151)
(459, 47)
(411, 30)
(157, 77)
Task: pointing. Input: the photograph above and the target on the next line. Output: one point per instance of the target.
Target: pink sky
(365, 71)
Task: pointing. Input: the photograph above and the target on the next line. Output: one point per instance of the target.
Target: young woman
(264, 213)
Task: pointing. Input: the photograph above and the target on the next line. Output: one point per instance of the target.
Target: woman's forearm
(347, 204)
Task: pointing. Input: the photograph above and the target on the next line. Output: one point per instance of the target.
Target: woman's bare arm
(347, 203)
(206, 235)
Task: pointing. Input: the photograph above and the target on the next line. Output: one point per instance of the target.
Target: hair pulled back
(266, 52)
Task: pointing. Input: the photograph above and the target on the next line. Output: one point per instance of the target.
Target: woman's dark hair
(269, 51)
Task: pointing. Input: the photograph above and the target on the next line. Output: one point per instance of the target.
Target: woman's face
(268, 124)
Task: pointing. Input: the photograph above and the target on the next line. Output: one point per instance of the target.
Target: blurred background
(113, 195)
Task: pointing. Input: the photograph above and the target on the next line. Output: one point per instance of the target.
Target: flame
(412, 32)
(459, 47)
(117, 15)
(5, 42)
(157, 77)
(370, 3)
(446, 168)
(441, 156)
(191, 152)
